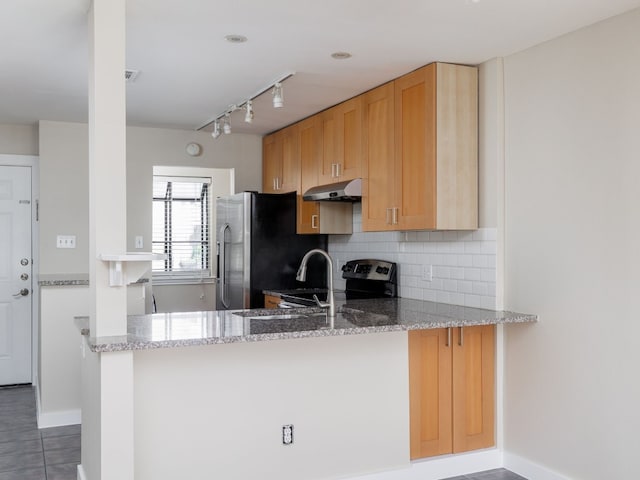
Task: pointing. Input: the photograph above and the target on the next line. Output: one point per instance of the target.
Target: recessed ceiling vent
(131, 75)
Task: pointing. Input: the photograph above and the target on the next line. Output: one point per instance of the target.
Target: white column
(107, 162)
(107, 390)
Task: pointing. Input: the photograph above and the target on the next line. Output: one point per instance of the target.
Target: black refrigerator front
(258, 249)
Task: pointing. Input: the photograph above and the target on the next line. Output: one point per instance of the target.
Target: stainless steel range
(365, 278)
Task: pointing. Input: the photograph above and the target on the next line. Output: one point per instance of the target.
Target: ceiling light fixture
(341, 55)
(224, 118)
(226, 125)
(278, 98)
(235, 38)
(249, 115)
(216, 129)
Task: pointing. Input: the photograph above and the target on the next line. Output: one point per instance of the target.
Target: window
(181, 219)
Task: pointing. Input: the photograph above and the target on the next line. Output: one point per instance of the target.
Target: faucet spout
(302, 276)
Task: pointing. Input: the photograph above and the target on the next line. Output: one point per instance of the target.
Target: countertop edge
(131, 343)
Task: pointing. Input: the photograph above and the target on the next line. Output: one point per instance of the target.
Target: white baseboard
(58, 419)
(81, 474)
(55, 419)
(442, 467)
(529, 469)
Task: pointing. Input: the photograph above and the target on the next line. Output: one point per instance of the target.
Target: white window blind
(181, 226)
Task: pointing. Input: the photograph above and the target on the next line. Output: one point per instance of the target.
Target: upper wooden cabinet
(317, 217)
(430, 181)
(341, 142)
(379, 169)
(281, 161)
(451, 390)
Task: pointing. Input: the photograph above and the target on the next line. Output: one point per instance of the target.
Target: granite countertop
(354, 317)
(70, 280)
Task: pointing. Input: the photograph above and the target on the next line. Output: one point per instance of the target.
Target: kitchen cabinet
(271, 301)
(281, 161)
(426, 176)
(379, 168)
(451, 390)
(317, 217)
(341, 142)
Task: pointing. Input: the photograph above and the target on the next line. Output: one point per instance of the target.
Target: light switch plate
(66, 241)
(139, 242)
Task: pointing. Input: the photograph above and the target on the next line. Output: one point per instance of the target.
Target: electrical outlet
(66, 241)
(427, 273)
(139, 242)
(287, 434)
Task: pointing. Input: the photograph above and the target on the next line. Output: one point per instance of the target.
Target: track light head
(278, 97)
(226, 125)
(249, 115)
(216, 129)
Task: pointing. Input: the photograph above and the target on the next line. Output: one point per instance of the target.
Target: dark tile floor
(497, 474)
(27, 453)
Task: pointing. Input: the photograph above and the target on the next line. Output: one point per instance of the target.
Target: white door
(15, 275)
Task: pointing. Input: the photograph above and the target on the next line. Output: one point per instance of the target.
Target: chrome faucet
(301, 276)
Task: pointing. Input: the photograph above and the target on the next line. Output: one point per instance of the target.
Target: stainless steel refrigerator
(258, 249)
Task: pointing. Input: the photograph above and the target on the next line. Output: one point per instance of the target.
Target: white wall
(19, 139)
(59, 359)
(64, 181)
(572, 252)
(347, 398)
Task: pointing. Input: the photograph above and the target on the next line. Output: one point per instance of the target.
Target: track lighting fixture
(249, 115)
(226, 125)
(216, 129)
(278, 99)
(222, 122)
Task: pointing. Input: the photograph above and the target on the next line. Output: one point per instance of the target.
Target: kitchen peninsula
(345, 389)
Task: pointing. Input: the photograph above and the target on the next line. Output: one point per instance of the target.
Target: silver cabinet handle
(461, 338)
(223, 267)
(22, 293)
(274, 184)
(314, 221)
(338, 169)
(395, 215)
(448, 344)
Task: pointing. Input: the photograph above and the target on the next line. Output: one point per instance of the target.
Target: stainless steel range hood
(349, 191)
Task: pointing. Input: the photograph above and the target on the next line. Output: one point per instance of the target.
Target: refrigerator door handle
(223, 266)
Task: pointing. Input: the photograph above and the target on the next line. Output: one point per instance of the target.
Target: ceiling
(189, 73)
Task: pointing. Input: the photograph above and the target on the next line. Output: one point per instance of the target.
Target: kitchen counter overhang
(355, 317)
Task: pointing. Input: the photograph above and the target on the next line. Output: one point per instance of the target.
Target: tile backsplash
(462, 264)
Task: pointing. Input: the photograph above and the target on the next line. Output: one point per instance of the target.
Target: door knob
(22, 293)
(24, 276)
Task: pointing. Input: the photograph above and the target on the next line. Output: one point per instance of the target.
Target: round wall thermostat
(193, 149)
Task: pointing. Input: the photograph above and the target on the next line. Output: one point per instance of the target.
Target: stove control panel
(367, 269)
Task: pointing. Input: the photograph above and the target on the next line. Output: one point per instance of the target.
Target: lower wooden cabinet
(451, 390)
(271, 301)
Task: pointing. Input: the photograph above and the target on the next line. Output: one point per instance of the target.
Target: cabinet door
(378, 167)
(349, 138)
(342, 142)
(271, 301)
(271, 163)
(310, 135)
(290, 177)
(473, 388)
(326, 172)
(430, 364)
(415, 145)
